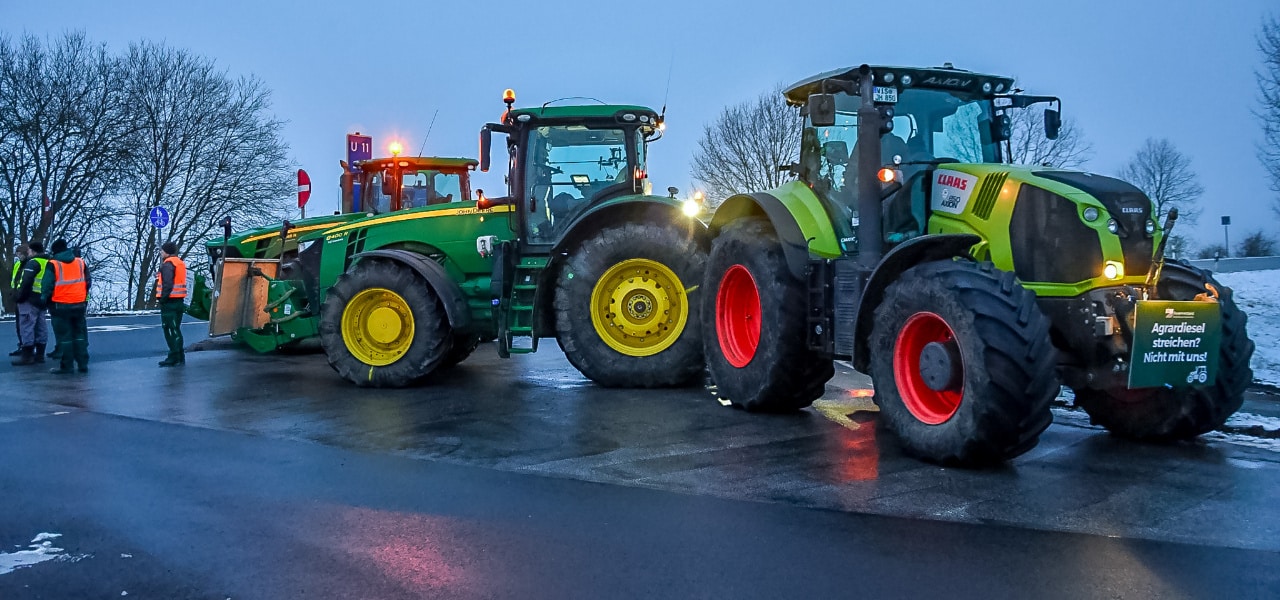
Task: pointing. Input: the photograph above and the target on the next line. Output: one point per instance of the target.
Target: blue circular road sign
(159, 216)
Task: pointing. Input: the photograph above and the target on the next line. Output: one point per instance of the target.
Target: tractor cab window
(428, 188)
(928, 125)
(374, 200)
(567, 167)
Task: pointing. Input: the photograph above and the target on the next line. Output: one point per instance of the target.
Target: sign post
(359, 147)
(1226, 239)
(304, 191)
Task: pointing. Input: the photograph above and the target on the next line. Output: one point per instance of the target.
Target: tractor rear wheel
(963, 366)
(754, 323)
(1163, 414)
(383, 326)
(625, 306)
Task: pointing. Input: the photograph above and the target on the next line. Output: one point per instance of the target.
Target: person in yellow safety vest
(171, 292)
(33, 334)
(66, 292)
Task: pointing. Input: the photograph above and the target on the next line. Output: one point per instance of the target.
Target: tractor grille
(987, 194)
(1049, 242)
(1126, 204)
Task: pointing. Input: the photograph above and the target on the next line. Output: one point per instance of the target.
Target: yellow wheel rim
(377, 326)
(639, 307)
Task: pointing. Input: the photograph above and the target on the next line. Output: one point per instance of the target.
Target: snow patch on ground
(1257, 293)
(40, 549)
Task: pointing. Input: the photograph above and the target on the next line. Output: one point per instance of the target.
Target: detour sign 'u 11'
(1175, 343)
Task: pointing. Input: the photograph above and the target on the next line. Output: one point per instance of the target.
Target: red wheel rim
(738, 316)
(926, 404)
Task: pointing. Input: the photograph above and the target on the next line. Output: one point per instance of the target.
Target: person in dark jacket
(66, 292)
(33, 334)
(171, 293)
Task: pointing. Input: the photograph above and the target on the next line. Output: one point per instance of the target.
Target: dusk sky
(1125, 69)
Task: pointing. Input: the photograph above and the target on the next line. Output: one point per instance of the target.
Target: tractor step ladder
(520, 338)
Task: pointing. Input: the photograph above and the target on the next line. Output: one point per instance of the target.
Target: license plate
(1175, 344)
(886, 95)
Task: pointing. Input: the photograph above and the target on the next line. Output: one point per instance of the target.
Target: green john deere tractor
(576, 249)
(260, 248)
(967, 288)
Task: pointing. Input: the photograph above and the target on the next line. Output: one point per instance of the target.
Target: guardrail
(1232, 265)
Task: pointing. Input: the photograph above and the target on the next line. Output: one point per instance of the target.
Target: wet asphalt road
(249, 478)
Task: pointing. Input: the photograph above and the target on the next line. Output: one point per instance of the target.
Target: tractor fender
(908, 254)
(621, 210)
(455, 303)
(795, 246)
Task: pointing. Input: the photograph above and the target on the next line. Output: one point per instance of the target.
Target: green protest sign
(1175, 343)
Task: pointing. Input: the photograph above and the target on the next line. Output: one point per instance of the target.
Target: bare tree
(1029, 146)
(742, 150)
(1269, 103)
(1213, 251)
(206, 148)
(62, 126)
(1257, 244)
(1164, 173)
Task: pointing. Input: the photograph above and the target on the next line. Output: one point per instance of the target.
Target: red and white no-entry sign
(304, 188)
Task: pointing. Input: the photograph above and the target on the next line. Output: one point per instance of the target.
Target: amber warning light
(887, 175)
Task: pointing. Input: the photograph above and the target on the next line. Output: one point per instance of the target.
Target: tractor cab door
(568, 168)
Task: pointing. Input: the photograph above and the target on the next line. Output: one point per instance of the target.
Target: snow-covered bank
(1258, 295)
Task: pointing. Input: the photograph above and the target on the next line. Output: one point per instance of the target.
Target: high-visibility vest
(17, 268)
(70, 287)
(179, 278)
(37, 286)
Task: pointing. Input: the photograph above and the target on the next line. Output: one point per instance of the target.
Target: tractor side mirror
(1052, 123)
(486, 144)
(1001, 127)
(388, 183)
(822, 110)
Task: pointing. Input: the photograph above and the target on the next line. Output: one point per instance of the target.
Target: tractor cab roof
(945, 77)
(419, 163)
(622, 113)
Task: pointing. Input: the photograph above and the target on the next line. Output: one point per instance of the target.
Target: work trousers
(171, 320)
(32, 329)
(72, 333)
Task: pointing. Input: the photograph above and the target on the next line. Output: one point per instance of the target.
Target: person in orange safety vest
(65, 291)
(171, 293)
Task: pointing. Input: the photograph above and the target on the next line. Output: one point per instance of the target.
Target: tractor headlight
(1151, 227)
(1113, 226)
(1091, 214)
(691, 208)
(1113, 270)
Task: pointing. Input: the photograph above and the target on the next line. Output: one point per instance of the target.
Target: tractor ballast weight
(999, 282)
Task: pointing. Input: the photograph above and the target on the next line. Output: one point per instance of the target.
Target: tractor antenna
(424, 138)
(667, 93)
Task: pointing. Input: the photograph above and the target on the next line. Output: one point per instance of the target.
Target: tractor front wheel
(962, 363)
(754, 319)
(383, 326)
(1164, 414)
(624, 306)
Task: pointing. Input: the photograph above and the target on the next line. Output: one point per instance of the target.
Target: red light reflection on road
(408, 548)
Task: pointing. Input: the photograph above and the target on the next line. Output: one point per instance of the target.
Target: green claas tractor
(576, 249)
(967, 288)
(271, 246)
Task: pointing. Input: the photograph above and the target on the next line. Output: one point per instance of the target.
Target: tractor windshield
(570, 165)
(928, 125)
(418, 188)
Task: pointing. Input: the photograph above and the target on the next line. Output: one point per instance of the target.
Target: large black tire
(1163, 414)
(428, 346)
(754, 323)
(463, 345)
(994, 401)
(676, 248)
